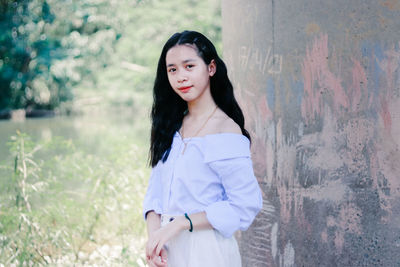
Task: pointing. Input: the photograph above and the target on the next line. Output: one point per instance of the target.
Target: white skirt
(201, 248)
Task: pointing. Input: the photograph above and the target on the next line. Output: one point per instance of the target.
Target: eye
(189, 66)
(171, 70)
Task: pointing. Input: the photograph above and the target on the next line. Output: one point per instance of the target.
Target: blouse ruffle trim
(220, 146)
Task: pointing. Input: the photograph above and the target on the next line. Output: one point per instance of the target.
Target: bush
(62, 205)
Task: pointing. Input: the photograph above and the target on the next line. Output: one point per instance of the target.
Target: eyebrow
(185, 61)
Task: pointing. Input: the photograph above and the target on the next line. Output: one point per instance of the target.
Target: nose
(182, 79)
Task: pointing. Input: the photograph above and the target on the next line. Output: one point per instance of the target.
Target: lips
(184, 89)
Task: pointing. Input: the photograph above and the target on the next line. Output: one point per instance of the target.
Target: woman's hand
(153, 221)
(158, 238)
(158, 260)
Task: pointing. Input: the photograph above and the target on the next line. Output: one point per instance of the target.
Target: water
(87, 132)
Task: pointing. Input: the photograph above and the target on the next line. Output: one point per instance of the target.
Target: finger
(162, 258)
(160, 246)
(151, 245)
(148, 251)
(151, 259)
(148, 258)
(150, 263)
(158, 250)
(164, 255)
(157, 262)
(149, 254)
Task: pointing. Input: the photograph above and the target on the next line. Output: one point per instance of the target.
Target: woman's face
(188, 74)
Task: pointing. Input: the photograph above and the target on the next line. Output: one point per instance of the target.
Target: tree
(43, 55)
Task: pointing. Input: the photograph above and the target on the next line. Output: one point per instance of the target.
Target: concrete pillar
(319, 83)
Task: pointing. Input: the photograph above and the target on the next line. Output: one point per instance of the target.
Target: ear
(212, 68)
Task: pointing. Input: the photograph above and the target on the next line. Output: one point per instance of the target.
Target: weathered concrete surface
(319, 82)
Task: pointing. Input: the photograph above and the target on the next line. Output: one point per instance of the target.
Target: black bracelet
(191, 225)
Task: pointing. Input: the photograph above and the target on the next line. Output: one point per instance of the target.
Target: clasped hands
(156, 254)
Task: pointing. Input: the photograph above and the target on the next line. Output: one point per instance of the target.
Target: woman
(202, 187)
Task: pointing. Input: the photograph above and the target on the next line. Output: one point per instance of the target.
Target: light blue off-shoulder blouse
(215, 175)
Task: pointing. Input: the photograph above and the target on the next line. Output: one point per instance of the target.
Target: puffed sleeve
(152, 199)
(230, 159)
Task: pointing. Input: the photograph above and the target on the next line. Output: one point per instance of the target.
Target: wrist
(153, 222)
(183, 224)
(151, 214)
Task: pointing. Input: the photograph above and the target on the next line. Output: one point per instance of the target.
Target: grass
(63, 205)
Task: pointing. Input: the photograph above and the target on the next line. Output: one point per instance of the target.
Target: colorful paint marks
(329, 163)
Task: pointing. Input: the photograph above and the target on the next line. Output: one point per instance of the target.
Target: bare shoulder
(227, 125)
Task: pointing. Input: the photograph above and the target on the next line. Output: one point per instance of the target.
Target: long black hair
(169, 108)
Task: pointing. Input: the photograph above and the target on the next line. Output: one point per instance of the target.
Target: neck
(202, 106)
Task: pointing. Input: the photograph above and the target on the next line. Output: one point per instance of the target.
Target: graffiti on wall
(264, 61)
(327, 157)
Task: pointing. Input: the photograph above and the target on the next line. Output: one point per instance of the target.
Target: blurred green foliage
(52, 50)
(44, 48)
(78, 203)
(63, 205)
